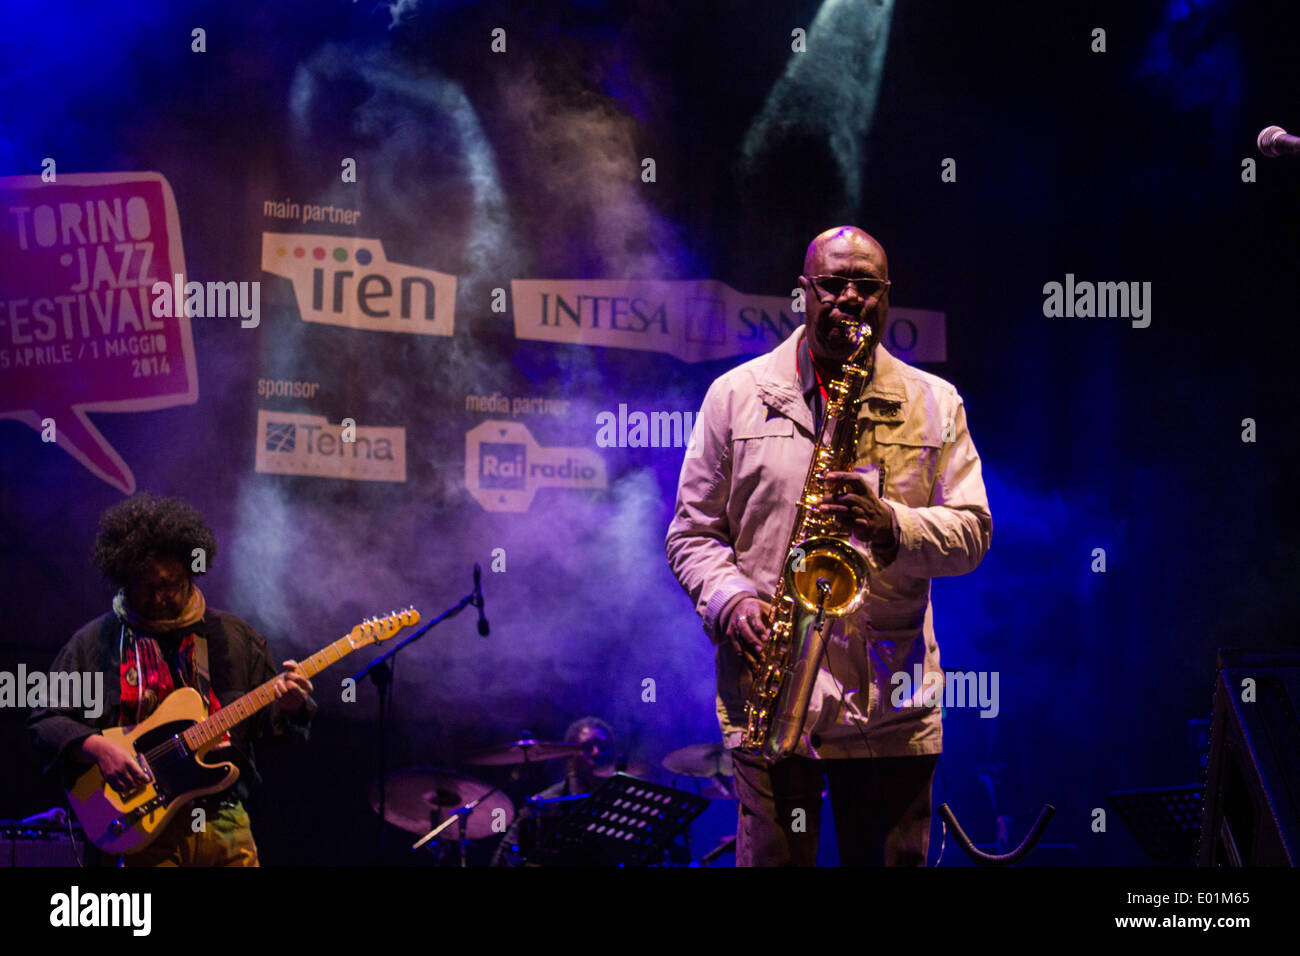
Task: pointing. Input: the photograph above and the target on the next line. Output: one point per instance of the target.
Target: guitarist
(159, 636)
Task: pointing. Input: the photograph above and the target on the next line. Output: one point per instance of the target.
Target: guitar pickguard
(175, 770)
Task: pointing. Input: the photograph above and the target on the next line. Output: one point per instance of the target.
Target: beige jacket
(735, 511)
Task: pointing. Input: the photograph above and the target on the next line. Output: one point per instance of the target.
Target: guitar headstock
(382, 628)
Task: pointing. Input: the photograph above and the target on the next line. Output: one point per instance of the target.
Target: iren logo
(348, 281)
(75, 908)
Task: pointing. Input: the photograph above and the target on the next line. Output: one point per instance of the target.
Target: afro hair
(144, 527)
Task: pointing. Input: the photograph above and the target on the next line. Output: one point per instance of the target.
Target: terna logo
(280, 436)
(295, 444)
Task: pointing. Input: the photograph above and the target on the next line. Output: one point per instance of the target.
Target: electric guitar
(171, 743)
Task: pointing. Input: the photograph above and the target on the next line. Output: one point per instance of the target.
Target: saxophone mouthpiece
(861, 335)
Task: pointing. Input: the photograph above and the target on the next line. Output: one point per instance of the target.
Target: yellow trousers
(201, 837)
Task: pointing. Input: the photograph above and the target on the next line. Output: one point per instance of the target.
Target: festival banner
(78, 332)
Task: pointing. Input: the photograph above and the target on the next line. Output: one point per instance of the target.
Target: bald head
(835, 246)
(845, 252)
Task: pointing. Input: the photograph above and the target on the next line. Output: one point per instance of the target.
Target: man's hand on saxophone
(746, 628)
(859, 510)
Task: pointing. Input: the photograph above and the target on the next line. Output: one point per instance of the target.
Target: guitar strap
(202, 680)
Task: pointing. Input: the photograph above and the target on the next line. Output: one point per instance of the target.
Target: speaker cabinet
(1252, 798)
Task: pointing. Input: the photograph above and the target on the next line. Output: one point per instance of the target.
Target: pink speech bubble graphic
(78, 333)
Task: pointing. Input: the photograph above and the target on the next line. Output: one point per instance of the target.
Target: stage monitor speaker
(1252, 797)
(27, 845)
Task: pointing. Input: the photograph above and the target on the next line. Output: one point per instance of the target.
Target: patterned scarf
(145, 670)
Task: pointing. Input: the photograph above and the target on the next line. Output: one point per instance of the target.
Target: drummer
(596, 739)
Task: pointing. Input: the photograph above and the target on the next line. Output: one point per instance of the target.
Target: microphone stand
(381, 675)
(460, 814)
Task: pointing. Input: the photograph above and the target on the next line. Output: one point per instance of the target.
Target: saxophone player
(914, 503)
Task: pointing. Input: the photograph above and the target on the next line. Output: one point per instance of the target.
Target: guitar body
(127, 823)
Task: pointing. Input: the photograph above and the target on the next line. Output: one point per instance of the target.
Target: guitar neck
(237, 711)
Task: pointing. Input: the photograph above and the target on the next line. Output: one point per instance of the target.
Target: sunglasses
(834, 286)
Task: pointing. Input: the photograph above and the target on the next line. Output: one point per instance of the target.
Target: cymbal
(524, 750)
(605, 771)
(700, 760)
(421, 798)
(717, 788)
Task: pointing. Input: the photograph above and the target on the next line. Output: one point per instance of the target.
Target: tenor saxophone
(823, 575)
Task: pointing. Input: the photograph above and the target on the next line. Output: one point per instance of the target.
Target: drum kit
(448, 808)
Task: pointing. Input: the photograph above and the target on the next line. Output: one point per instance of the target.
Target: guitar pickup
(118, 826)
(125, 795)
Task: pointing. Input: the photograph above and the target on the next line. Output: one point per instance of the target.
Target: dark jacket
(238, 661)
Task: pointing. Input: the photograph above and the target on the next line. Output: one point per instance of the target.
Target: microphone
(483, 628)
(1275, 141)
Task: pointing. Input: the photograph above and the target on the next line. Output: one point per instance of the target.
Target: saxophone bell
(836, 563)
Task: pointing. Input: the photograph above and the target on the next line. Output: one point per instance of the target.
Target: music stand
(627, 822)
(1166, 821)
